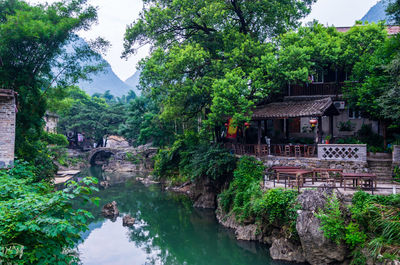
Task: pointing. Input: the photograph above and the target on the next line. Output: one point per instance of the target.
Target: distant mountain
(103, 81)
(133, 82)
(377, 12)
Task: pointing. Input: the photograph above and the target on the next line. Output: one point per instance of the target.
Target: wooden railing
(315, 89)
(261, 150)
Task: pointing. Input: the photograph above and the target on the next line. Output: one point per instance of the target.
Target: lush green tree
(38, 56)
(38, 224)
(376, 77)
(393, 11)
(143, 124)
(92, 115)
(363, 52)
(209, 55)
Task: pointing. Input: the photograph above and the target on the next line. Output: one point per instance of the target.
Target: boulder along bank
(310, 246)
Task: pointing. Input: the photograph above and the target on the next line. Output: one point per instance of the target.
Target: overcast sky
(115, 15)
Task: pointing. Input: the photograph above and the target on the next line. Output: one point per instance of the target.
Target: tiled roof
(293, 109)
(392, 30)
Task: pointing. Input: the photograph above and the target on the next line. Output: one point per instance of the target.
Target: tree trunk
(384, 131)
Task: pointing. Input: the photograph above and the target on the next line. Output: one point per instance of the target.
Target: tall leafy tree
(211, 55)
(143, 125)
(38, 54)
(92, 115)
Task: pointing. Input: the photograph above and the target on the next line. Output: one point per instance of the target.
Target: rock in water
(105, 184)
(318, 250)
(128, 220)
(283, 249)
(110, 210)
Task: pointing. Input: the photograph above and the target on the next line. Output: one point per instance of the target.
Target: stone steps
(380, 167)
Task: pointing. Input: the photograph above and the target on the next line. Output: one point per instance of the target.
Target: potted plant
(328, 138)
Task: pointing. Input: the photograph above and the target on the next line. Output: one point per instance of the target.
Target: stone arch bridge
(104, 153)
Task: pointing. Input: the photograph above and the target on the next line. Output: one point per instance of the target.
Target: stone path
(64, 176)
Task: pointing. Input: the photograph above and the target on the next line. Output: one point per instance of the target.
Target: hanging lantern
(313, 122)
(247, 125)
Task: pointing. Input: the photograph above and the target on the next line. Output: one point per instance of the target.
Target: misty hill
(133, 82)
(103, 81)
(377, 13)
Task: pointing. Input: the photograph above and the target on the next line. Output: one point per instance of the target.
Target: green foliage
(34, 61)
(144, 125)
(358, 258)
(396, 173)
(332, 220)
(245, 198)
(214, 161)
(378, 216)
(39, 155)
(38, 224)
(279, 208)
(353, 236)
(244, 188)
(393, 11)
(367, 136)
(211, 59)
(345, 126)
(193, 158)
(55, 139)
(348, 140)
(91, 115)
(376, 72)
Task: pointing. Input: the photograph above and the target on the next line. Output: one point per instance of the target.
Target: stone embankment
(311, 247)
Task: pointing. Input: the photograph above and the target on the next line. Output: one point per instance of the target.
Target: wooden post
(266, 128)
(286, 127)
(331, 125)
(319, 129)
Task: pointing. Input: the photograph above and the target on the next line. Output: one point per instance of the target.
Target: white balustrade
(343, 152)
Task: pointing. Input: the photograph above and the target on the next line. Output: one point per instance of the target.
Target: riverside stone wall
(7, 128)
(311, 162)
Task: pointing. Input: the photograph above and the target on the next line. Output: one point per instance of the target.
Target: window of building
(354, 113)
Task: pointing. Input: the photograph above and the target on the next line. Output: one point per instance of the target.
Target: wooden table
(322, 170)
(299, 174)
(358, 178)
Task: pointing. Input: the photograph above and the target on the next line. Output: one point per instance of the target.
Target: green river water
(167, 230)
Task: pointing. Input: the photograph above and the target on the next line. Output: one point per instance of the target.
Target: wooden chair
(309, 151)
(278, 150)
(323, 176)
(264, 150)
(297, 151)
(257, 150)
(287, 150)
(331, 180)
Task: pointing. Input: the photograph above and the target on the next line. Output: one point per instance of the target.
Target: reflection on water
(167, 231)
